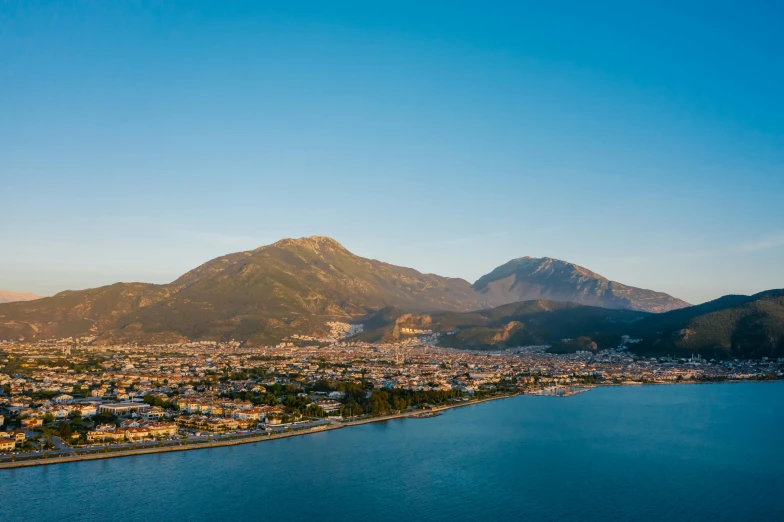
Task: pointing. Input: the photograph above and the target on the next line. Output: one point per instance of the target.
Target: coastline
(235, 442)
(318, 429)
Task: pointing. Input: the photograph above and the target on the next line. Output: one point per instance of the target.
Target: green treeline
(358, 401)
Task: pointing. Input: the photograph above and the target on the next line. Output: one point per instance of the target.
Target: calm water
(706, 452)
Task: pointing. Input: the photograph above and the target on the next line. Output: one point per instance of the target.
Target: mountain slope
(260, 295)
(733, 326)
(77, 313)
(529, 278)
(293, 286)
(517, 324)
(13, 297)
(730, 327)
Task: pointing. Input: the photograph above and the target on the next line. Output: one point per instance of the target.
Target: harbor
(559, 391)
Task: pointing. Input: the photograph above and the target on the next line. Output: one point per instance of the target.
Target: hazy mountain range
(296, 285)
(12, 297)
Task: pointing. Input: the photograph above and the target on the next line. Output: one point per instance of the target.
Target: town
(69, 397)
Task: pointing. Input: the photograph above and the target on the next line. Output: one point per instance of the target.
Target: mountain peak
(322, 240)
(542, 265)
(528, 278)
(315, 243)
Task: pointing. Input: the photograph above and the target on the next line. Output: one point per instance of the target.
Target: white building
(63, 399)
(124, 408)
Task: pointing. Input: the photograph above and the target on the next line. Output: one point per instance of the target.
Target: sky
(644, 142)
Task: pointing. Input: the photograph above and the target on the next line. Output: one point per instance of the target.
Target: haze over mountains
(296, 285)
(12, 297)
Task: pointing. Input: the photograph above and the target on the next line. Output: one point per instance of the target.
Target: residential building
(31, 422)
(124, 408)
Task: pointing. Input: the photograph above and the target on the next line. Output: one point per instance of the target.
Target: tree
(268, 399)
(315, 410)
(104, 418)
(48, 417)
(322, 385)
(65, 431)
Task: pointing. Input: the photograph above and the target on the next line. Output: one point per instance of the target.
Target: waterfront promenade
(622, 453)
(68, 454)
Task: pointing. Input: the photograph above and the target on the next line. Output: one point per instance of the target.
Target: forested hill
(733, 326)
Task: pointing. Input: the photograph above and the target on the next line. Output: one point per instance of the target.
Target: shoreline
(318, 429)
(248, 440)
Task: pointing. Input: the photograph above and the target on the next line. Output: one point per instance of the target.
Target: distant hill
(530, 278)
(511, 325)
(296, 286)
(12, 297)
(732, 326)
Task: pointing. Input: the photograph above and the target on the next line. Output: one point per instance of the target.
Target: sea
(658, 453)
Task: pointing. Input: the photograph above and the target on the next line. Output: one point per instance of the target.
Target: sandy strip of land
(234, 442)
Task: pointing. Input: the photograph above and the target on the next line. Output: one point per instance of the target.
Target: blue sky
(140, 139)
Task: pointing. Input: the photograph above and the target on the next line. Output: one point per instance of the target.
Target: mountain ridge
(257, 296)
(733, 326)
(536, 322)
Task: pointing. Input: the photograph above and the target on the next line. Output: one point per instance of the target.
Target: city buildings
(108, 394)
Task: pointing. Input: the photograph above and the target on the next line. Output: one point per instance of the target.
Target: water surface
(686, 452)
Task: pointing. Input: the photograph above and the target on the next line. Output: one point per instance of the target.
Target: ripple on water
(641, 453)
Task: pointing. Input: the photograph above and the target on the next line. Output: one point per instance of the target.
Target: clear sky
(645, 142)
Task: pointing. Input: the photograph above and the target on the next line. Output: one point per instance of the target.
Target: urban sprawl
(70, 397)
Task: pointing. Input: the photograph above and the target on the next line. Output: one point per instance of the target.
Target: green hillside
(517, 324)
(730, 327)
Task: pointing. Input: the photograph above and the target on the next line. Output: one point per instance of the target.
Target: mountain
(77, 313)
(518, 324)
(258, 296)
(530, 278)
(290, 286)
(296, 286)
(12, 297)
(732, 326)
